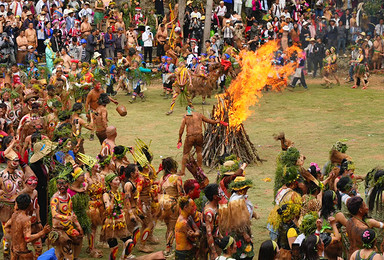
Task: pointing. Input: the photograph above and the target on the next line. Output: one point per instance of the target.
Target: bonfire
(233, 107)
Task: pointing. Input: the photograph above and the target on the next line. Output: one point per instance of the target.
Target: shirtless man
(194, 138)
(378, 52)
(11, 183)
(161, 37)
(19, 226)
(85, 28)
(31, 35)
(186, 234)
(93, 97)
(64, 220)
(91, 103)
(109, 143)
(210, 219)
(101, 117)
(131, 37)
(358, 223)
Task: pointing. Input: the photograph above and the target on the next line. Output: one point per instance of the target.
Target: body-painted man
(182, 78)
(194, 138)
(64, 220)
(11, 183)
(30, 185)
(20, 230)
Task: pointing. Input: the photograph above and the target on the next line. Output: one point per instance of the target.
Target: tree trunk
(182, 6)
(208, 21)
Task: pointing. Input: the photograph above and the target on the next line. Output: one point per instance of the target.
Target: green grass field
(313, 119)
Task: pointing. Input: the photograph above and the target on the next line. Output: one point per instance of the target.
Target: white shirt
(18, 7)
(197, 14)
(86, 12)
(3, 14)
(221, 10)
(148, 41)
(276, 10)
(379, 29)
(39, 6)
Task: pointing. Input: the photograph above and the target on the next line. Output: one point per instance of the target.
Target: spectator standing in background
(229, 5)
(159, 6)
(341, 37)
(109, 39)
(318, 56)
(147, 38)
(237, 6)
(70, 20)
(276, 9)
(379, 28)
(161, 37)
(221, 10)
(22, 45)
(228, 31)
(332, 34)
(90, 47)
(121, 41)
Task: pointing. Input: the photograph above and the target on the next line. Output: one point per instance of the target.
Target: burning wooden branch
(220, 140)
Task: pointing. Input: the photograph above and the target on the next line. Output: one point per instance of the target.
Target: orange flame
(257, 71)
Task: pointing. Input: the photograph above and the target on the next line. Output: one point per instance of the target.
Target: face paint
(196, 192)
(62, 185)
(32, 181)
(15, 163)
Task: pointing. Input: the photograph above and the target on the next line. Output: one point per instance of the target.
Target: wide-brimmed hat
(240, 183)
(29, 13)
(42, 149)
(312, 40)
(189, 2)
(286, 28)
(96, 55)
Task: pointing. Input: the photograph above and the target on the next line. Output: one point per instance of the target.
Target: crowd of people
(319, 212)
(62, 64)
(76, 33)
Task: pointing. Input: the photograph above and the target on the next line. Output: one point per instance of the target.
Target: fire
(257, 71)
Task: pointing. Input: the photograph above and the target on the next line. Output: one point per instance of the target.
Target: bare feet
(144, 248)
(153, 240)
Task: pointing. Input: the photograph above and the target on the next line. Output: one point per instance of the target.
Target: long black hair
(309, 247)
(126, 172)
(327, 205)
(376, 194)
(267, 251)
(169, 165)
(344, 187)
(222, 243)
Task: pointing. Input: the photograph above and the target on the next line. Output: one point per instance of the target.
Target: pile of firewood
(220, 140)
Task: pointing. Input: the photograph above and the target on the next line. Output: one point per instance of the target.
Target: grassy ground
(313, 119)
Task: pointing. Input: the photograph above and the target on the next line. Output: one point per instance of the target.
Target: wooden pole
(208, 20)
(181, 9)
